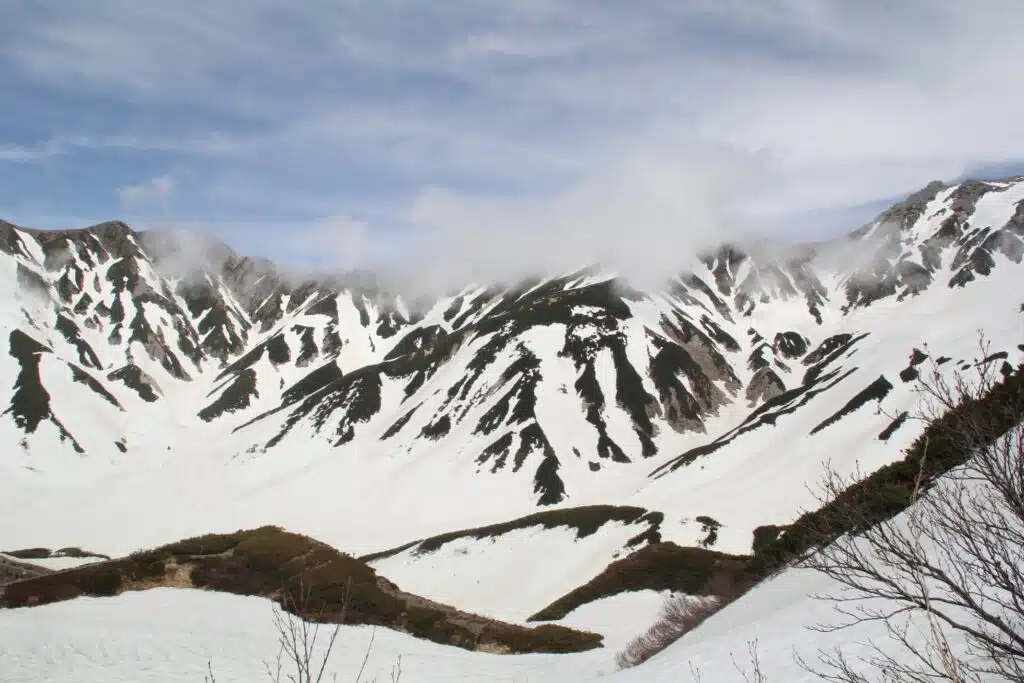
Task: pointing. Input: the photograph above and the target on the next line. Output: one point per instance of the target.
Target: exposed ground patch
(267, 561)
(661, 566)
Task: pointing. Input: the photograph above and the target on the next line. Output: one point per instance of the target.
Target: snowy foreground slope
(168, 635)
(158, 392)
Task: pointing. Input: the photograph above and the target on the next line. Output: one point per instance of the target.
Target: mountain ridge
(128, 357)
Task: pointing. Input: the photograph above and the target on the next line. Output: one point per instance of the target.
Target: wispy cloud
(153, 192)
(524, 124)
(645, 218)
(62, 145)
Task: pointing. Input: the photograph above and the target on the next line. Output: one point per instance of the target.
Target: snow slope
(168, 635)
(151, 400)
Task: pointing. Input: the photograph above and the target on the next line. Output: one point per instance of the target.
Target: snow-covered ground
(370, 498)
(176, 475)
(168, 635)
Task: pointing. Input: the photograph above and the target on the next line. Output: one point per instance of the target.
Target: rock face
(117, 344)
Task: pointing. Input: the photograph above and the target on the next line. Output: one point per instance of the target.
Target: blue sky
(346, 131)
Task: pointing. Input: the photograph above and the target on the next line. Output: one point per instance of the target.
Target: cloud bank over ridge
(506, 138)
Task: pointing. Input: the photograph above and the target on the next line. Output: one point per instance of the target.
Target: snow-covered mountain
(159, 389)
(495, 449)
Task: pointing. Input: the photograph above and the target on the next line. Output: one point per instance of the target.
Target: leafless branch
(303, 651)
(679, 615)
(755, 675)
(954, 560)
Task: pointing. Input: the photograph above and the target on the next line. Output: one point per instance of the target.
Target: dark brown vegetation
(660, 567)
(15, 570)
(890, 490)
(45, 553)
(270, 562)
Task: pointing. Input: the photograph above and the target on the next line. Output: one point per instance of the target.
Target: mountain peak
(151, 346)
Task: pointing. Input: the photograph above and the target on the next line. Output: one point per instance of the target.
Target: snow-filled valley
(170, 635)
(151, 401)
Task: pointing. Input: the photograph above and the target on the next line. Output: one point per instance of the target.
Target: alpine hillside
(150, 397)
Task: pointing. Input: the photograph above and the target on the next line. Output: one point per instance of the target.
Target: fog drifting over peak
(644, 220)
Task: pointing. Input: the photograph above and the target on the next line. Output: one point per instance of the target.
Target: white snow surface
(169, 635)
(198, 484)
(181, 476)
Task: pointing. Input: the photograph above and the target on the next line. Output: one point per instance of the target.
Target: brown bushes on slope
(661, 566)
(679, 615)
(273, 563)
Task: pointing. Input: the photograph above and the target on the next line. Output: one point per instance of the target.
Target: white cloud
(153, 192)
(20, 153)
(338, 240)
(511, 134)
(644, 219)
(63, 144)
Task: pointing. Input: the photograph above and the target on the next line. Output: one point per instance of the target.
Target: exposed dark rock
(236, 396)
(133, 377)
(764, 386)
(30, 402)
(875, 391)
(891, 428)
(790, 344)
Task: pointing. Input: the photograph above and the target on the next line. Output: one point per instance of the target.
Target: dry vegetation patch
(271, 562)
(679, 615)
(660, 567)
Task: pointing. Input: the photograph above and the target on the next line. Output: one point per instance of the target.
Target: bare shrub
(679, 615)
(753, 675)
(303, 650)
(298, 639)
(954, 561)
